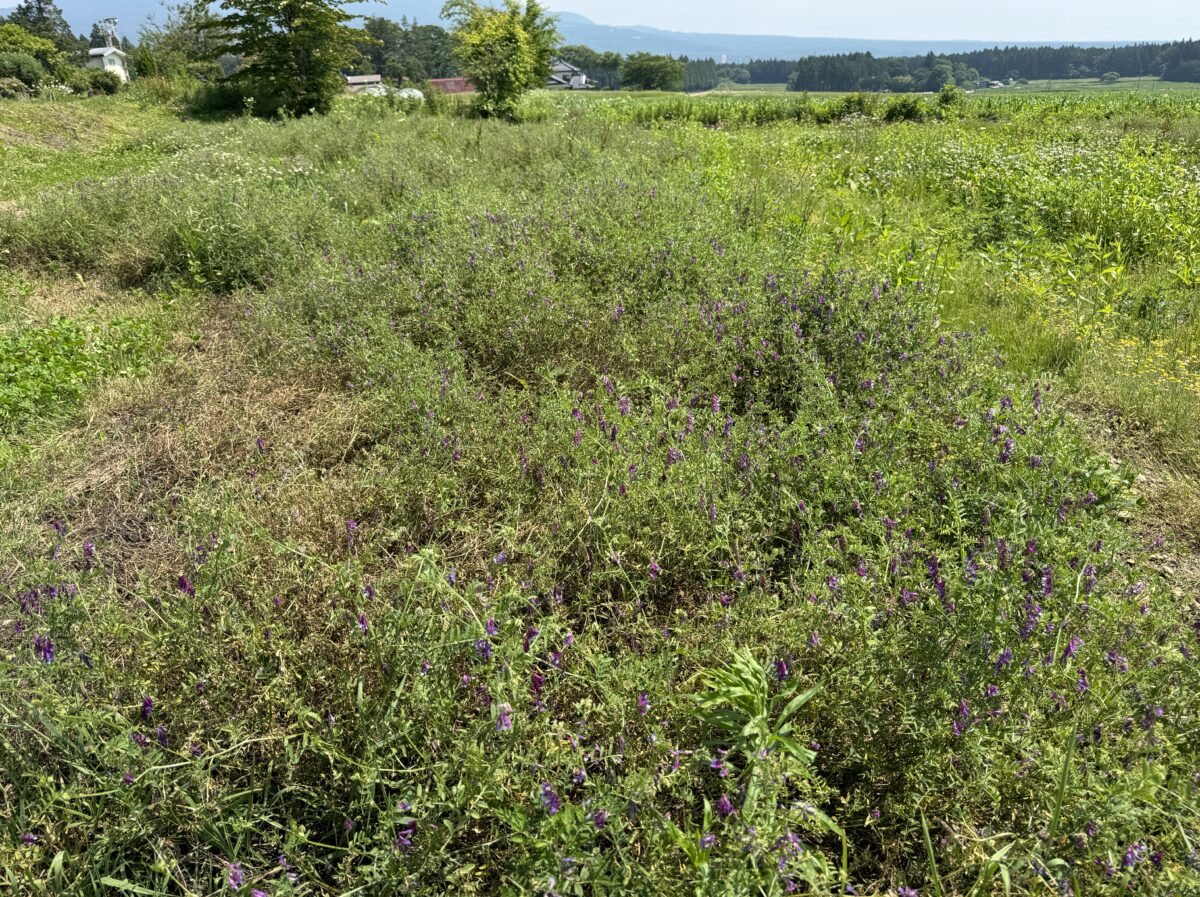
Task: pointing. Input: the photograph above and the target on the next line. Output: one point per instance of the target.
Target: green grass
(657, 496)
(1093, 85)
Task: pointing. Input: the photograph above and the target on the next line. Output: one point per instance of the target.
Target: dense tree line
(1179, 61)
(406, 51)
(862, 71)
(603, 69)
(1040, 63)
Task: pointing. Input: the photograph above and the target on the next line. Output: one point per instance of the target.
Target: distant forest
(407, 51)
(1179, 61)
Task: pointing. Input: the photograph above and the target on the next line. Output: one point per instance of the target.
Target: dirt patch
(65, 298)
(13, 137)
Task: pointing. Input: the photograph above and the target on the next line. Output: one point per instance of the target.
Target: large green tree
(43, 18)
(646, 71)
(15, 39)
(186, 41)
(505, 52)
(295, 51)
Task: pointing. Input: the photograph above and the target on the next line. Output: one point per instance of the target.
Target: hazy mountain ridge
(577, 29)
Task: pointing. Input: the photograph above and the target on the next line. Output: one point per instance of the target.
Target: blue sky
(1017, 20)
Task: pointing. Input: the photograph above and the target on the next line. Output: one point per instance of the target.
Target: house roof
(560, 67)
(105, 51)
(364, 79)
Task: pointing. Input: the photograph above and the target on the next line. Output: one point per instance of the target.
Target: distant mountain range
(577, 29)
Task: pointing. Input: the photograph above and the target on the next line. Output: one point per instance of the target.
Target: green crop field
(723, 495)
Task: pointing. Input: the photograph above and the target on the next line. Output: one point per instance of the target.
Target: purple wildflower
(600, 819)
(363, 624)
(718, 764)
(708, 841)
(1133, 855)
(185, 586)
(44, 648)
(491, 628)
(1072, 648)
(655, 570)
(147, 708)
(906, 892)
(643, 703)
(531, 636)
(236, 877)
(404, 837)
(484, 647)
(725, 807)
(549, 799)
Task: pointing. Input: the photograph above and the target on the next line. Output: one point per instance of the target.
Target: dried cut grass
(149, 446)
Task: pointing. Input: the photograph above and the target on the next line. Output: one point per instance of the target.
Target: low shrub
(104, 82)
(13, 89)
(906, 107)
(23, 68)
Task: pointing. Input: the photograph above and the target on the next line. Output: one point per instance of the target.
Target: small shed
(109, 59)
(372, 85)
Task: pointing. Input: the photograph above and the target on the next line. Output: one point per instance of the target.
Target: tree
(43, 18)
(504, 52)
(187, 42)
(602, 69)
(1110, 78)
(401, 51)
(15, 39)
(646, 71)
(98, 37)
(295, 52)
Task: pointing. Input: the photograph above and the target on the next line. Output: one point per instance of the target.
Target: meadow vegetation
(721, 496)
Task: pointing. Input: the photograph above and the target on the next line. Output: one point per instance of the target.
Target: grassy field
(734, 495)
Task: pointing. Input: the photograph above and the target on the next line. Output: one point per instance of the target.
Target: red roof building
(452, 85)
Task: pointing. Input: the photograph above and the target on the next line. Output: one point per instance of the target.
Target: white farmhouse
(109, 59)
(564, 76)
